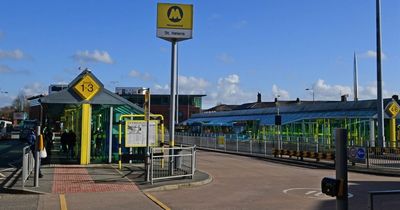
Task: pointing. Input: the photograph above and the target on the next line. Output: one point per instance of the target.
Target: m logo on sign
(175, 14)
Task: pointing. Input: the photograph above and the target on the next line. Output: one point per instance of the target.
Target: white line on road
(310, 192)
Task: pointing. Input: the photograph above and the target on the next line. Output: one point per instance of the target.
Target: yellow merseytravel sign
(87, 87)
(174, 21)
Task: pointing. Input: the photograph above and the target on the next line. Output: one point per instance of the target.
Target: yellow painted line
(63, 202)
(158, 202)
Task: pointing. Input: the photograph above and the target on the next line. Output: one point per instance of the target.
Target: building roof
(104, 96)
(292, 112)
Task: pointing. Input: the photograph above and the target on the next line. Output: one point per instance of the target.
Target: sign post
(174, 24)
(392, 109)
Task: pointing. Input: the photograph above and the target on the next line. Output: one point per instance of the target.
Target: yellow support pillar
(392, 132)
(85, 133)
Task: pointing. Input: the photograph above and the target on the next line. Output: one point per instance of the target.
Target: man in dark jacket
(71, 143)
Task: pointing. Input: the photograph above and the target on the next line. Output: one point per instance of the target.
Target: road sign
(392, 109)
(136, 133)
(87, 87)
(357, 154)
(174, 21)
(361, 153)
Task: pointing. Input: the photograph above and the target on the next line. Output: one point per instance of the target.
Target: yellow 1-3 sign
(392, 109)
(87, 87)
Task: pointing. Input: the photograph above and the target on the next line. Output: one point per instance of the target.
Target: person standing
(49, 140)
(64, 140)
(71, 144)
(33, 146)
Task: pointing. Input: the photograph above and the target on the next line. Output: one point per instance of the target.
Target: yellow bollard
(393, 132)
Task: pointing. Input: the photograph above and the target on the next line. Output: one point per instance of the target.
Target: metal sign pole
(110, 134)
(177, 86)
(37, 158)
(147, 96)
(381, 126)
(341, 168)
(172, 103)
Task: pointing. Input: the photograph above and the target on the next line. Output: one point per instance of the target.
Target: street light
(146, 105)
(312, 90)
(278, 122)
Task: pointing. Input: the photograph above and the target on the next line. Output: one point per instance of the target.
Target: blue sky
(239, 48)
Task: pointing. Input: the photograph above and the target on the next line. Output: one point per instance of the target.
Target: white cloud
(34, 89)
(143, 76)
(225, 58)
(323, 91)
(228, 91)
(370, 91)
(187, 85)
(95, 56)
(283, 94)
(13, 54)
(371, 54)
(192, 85)
(161, 89)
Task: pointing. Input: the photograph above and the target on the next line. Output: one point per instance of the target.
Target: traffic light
(330, 186)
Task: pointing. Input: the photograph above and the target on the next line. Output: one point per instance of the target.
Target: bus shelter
(91, 112)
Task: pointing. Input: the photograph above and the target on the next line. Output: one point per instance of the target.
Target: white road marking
(310, 192)
(318, 194)
(313, 193)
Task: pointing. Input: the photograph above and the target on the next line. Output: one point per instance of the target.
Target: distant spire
(355, 75)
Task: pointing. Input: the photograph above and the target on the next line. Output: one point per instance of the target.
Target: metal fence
(167, 163)
(288, 146)
(28, 164)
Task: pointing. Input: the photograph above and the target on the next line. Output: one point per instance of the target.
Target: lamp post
(146, 105)
(312, 91)
(278, 124)
(381, 125)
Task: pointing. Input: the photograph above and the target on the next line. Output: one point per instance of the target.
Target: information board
(135, 133)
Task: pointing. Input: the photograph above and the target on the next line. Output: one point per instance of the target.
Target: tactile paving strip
(73, 180)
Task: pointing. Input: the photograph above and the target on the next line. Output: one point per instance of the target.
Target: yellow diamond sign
(392, 109)
(87, 87)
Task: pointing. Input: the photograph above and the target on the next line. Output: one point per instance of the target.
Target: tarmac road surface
(249, 183)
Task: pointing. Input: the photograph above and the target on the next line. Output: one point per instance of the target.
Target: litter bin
(178, 158)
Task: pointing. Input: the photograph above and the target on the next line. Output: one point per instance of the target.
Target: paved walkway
(78, 187)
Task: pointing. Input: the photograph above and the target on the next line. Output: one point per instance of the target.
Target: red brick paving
(74, 180)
